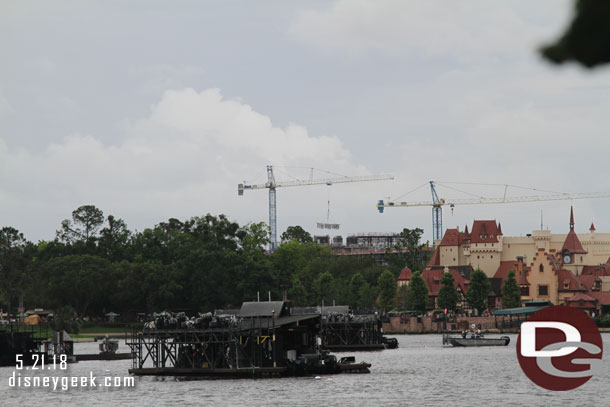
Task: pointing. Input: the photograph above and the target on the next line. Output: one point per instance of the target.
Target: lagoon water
(419, 372)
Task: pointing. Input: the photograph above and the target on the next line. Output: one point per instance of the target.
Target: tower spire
(571, 218)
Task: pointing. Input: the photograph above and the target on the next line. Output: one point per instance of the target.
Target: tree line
(96, 265)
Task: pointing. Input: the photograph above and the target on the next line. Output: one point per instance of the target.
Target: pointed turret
(500, 229)
(572, 243)
(592, 228)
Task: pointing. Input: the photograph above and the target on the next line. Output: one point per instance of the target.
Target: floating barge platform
(24, 340)
(342, 330)
(263, 340)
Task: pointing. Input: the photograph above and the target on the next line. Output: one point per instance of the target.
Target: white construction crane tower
(438, 203)
(272, 184)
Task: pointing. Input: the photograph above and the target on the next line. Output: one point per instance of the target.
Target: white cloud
(183, 160)
(429, 28)
(5, 107)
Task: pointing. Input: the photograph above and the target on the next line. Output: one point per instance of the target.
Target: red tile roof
(588, 280)
(567, 277)
(451, 238)
(405, 274)
(504, 268)
(582, 300)
(602, 296)
(433, 280)
(598, 271)
(582, 297)
(435, 260)
(484, 231)
(572, 244)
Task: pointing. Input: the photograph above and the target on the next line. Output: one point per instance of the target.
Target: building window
(541, 269)
(566, 285)
(581, 259)
(478, 257)
(492, 256)
(454, 259)
(543, 290)
(525, 291)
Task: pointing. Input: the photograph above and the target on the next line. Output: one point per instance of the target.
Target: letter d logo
(559, 348)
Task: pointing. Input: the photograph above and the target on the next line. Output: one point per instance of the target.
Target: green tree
(447, 295)
(297, 293)
(84, 282)
(368, 295)
(253, 271)
(86, 221)
(511, 293)
(410, 252)
(14, 249)
(402, 297)
(418, 293)
(355, 290)
(296, 233)
(323, 285)
(478, 291)
(387, 290)
(114, 238)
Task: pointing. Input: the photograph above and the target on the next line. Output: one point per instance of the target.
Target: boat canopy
(519, 311)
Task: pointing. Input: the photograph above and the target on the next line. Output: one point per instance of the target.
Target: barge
(21, 340)
(344, 331)
(264, 340)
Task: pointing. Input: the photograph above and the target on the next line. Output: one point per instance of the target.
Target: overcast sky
(158, 109)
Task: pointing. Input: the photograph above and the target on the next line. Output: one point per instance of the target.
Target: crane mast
(272, 184)
(272, 208)
(437, 214)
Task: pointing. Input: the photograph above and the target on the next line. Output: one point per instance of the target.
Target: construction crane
(438, 203)
(272, 184)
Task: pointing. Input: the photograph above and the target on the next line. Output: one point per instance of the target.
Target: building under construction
(265, 339)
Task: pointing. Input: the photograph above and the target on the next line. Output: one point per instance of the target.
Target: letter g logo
(554, 346)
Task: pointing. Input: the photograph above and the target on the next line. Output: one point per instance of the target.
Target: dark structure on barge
(343, 330)
(264, 339)
(21, 340)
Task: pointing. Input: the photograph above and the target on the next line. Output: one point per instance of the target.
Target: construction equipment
(437, 203)
(272, 184)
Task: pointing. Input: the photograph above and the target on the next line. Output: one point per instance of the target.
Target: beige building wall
(487, 256)
(542, 274)
(450, 256)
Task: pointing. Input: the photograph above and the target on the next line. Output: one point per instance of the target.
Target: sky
(153, 110)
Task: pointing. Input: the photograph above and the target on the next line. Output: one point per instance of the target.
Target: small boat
(475, 341)
(108, 351)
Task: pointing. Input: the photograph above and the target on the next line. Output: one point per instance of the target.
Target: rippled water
(420, 372)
